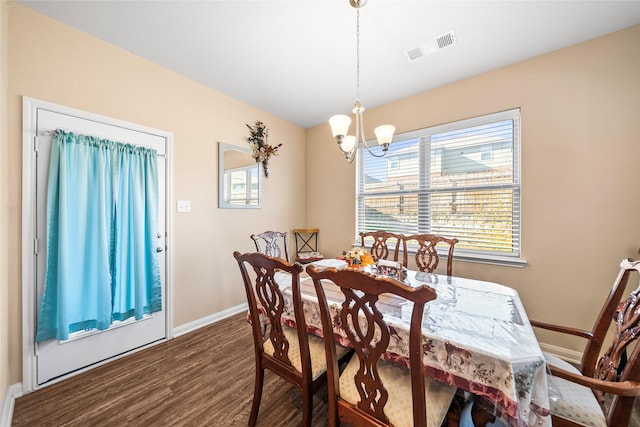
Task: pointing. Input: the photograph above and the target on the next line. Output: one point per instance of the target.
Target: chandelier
(340, 123)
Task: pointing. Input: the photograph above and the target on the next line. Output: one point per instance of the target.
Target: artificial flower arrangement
(261, 150)
(357, 258)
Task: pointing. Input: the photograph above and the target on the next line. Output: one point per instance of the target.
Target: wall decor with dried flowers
(259, 140)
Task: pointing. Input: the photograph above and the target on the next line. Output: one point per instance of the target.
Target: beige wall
(4, 289)
(55, 63)
(580, 110)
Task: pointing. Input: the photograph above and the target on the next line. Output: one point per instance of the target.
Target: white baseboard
(204, 321)
(570, 356)
(13, 391)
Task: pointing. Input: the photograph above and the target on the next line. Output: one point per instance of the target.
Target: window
(241, 186)
(457, 180)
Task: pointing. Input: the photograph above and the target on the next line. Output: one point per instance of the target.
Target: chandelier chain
(340, 123)
(358, 55)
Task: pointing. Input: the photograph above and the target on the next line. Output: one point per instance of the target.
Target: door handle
(159, 249)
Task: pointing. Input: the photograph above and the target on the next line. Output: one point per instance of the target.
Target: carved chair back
(427, 258)
(614, 365)
(266, 306)
(272, 243)
(379, 249)
(602, 326)
(613, 373)
(362, 321)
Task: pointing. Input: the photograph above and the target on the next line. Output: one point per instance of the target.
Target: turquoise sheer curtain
(136, 270)
(102, 218)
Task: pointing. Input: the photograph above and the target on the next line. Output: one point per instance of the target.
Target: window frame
(424, 190)
(249, 176)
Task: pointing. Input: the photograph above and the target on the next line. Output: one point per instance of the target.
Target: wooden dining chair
(582, 399)
(595, 338)
(427, 258)
(292, 354)
(272, 243)
(379, 249)
(370, 390)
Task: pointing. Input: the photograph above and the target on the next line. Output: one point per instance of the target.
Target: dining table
(476, 337)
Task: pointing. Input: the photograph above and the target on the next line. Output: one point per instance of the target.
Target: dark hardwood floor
(204, 378)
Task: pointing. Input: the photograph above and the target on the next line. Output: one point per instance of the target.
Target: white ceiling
(296, 59)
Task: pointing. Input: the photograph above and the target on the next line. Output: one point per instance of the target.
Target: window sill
(493, 260)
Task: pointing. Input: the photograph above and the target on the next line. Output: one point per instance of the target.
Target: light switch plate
(184, 206)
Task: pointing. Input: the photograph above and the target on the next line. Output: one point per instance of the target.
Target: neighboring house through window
(459, 180)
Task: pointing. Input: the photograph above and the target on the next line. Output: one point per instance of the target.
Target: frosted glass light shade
(348, 142)
(339, 124)
(384, 133)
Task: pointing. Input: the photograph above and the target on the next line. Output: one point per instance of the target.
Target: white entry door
(58, 358)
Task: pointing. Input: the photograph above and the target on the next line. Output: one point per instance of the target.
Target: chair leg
(307, 407)
(257, 395)
(334, 420)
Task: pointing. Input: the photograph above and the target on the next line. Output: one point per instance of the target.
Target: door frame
(30, 107)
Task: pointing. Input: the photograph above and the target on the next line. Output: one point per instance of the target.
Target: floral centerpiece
(357, 258)
(262, 151)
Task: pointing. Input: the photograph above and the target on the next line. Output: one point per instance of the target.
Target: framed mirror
(239, 178)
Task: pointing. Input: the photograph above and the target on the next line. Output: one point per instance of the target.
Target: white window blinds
(457, 180)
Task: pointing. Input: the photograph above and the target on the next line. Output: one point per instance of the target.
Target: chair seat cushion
(397, 381)
(576, 403)
(560, 363)
(309, 256)
(316, 350)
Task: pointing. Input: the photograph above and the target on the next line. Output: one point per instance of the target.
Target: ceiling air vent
(430, 46)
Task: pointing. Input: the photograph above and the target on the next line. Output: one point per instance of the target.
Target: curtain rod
(53, 132)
